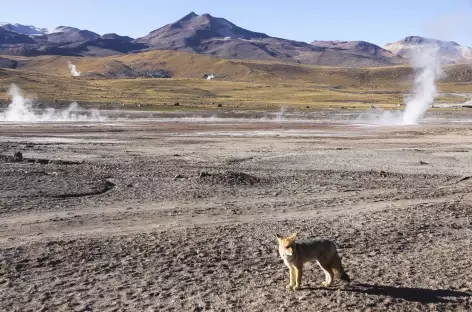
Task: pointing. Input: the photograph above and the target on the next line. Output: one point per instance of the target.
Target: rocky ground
(146, 216)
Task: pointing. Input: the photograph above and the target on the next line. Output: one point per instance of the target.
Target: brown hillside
(188, 65)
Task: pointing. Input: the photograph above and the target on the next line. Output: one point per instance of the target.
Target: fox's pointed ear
(279, 238)
(292, 237)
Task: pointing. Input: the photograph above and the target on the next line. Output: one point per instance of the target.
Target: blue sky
(306, 20)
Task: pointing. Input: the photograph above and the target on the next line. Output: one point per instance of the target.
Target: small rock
(18, 156)
(177, 104)
(176, 155)
(179, 176)
(220, 105)
(423, 162)
(307, 106)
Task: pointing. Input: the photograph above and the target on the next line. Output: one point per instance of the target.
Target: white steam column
(427, 66)
(73, 70)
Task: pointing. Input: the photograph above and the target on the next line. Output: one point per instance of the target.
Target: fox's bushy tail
(338, 268)
(345, 277)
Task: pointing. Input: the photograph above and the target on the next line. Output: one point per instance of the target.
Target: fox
(296, 254)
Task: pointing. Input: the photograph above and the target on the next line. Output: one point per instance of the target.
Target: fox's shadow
(421, 295)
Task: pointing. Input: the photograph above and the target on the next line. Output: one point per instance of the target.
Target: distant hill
(178, 64)
(449, 51)
(354, 47)
(16, 39)
(24, 29)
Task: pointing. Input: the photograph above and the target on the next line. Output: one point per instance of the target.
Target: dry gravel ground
(146, 216)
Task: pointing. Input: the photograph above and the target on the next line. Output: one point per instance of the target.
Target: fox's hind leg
(326, 278)
(328, 274)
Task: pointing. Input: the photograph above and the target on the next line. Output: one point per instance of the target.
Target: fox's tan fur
(324, 252)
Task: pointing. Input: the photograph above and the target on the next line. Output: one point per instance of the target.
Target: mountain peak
(189, 31)
(113, 36)
(188, 16)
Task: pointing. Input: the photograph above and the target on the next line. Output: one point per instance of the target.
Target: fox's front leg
(298, 277)
(292, 277)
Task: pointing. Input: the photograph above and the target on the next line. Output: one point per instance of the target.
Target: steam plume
(73, 70)
(427, 67)
(21, 110)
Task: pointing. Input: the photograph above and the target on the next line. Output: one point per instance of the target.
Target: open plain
(179, 214)
(153, 173)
